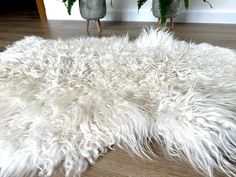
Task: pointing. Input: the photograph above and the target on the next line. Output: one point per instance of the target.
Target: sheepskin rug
(66, 102)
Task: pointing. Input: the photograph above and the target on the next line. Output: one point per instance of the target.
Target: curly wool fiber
(65, 102)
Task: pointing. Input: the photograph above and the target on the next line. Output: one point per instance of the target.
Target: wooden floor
(118, 163)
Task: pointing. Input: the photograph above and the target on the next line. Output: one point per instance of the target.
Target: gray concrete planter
(93, 10)
(174, 11)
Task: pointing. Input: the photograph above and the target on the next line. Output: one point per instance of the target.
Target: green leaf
(140, 3)
(164, 6)
(69, 4)
(186, 3)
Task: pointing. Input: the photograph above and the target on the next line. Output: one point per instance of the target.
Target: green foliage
(69, 4)
(164, 6)
(186, 3)
(140, 3)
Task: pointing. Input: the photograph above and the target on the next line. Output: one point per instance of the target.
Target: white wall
(224, 11)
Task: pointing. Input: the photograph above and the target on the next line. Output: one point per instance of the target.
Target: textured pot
(92, 9)
(174, 10)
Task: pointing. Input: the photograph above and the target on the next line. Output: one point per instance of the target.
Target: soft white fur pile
(65, 102)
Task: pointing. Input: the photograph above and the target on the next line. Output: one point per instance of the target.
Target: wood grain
(118, 163)
(41, 9)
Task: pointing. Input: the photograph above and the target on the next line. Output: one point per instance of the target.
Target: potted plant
(89, 10)
(163, 9)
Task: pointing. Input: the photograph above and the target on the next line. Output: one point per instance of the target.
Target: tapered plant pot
(174, 10)
(93, 10)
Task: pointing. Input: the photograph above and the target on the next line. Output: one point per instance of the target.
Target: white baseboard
(186, 16)
(207, 17)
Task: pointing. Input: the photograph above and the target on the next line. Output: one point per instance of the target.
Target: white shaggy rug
(65, 102)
